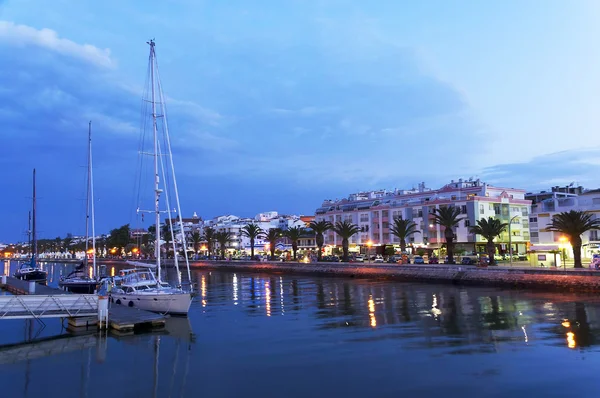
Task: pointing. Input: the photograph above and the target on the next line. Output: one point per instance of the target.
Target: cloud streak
(22, 35)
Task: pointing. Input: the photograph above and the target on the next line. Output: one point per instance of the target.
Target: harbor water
(266, 335)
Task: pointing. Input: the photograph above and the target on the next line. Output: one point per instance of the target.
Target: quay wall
(571, 280)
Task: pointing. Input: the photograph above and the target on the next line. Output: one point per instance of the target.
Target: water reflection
(472, 319)
(359, 333)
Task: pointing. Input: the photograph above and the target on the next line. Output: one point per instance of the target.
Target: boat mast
(29, 231)
(87, 202)
(33, 233)
(157, 190)
(91, 199)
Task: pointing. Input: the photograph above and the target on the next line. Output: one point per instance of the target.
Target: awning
(543, 248)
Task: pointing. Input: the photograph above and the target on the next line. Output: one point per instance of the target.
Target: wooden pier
(52, 302)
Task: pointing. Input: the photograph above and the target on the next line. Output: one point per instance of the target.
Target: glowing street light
(369, 244)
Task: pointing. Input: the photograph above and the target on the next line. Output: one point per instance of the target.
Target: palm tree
(252, 231)
(223, 238)
(166, 235)
(573, 224)
(489, 229)
(345, 230)
(403, 229)
(209, 237)
(196, 239)
(448, 217)
(272, 236)
(294, 234)
(320, 227)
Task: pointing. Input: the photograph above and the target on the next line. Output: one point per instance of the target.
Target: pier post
(103, 312)
(32, 287)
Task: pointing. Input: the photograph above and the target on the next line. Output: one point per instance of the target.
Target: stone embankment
(570, 280)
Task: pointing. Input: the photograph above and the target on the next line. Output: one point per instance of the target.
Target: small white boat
(141, 289)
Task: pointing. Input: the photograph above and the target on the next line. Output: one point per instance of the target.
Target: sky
(280, 104)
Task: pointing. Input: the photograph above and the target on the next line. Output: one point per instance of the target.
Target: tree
(252, 231)
(403, 229)
(319, 228)
(223, 238)
(345, 230)
(167, 235)
(272, 236)
(67, 242)
(294, 234)
(573, 224)
(196, 239)
(448, 217)
(209, 237)
(119, 237)
(489, 229)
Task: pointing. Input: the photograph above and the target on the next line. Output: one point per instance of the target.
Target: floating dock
(81, 310)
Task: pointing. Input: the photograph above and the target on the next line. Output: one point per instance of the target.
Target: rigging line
(137, 183)
(168, 203)
(168, 137)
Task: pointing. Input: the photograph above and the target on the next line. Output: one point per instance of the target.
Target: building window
(534, 234)
(467, 223)
(491, 206)
(532, 219)
(420, 214)
(516, 233)
(463, 209)
(516, 221)
(594, 235)
(481, 209)
(364, 217)
(524, 211)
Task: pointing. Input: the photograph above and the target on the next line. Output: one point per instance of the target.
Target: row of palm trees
(572, 224)
(253, 232)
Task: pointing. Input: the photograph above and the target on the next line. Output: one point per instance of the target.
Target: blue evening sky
(279, 104)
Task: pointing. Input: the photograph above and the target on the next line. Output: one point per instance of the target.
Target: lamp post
(369, 244)
(510, 252)
(563, 254)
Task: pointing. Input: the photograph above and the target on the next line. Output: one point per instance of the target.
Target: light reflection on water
(317, 336)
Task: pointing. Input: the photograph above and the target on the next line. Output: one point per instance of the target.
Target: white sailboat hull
(170, 303)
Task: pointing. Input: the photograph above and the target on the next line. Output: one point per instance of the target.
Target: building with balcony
(373, 212)
(545, 204)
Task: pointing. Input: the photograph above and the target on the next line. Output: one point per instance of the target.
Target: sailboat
(141, 287)
(79, 281)
(31, 271)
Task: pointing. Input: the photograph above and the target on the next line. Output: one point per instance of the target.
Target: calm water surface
(258, 335)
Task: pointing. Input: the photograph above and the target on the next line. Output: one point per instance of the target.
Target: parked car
(468, 261)
(359, 259)
(379, 258)
(418, 260)
(434, 260)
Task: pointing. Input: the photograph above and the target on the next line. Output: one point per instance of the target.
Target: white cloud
(23, 35)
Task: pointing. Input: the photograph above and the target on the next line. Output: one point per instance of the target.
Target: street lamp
(563, 255)
(369, 244)
(510, 252)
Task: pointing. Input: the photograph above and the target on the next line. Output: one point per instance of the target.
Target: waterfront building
(234, 225)
(545, 204)
(374, 211)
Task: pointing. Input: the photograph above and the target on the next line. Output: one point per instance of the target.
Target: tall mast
(33, 233)
(87, 200)
(157, 189)
(29, 231)
(91, 199)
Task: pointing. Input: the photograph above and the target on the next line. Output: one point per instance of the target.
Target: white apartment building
(373, 212)
(545, 204)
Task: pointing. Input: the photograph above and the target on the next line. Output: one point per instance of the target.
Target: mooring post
(102, 312)
(32, 287)
(4, 279)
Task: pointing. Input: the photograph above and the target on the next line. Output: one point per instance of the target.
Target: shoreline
(575, 281)
(570, 280)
